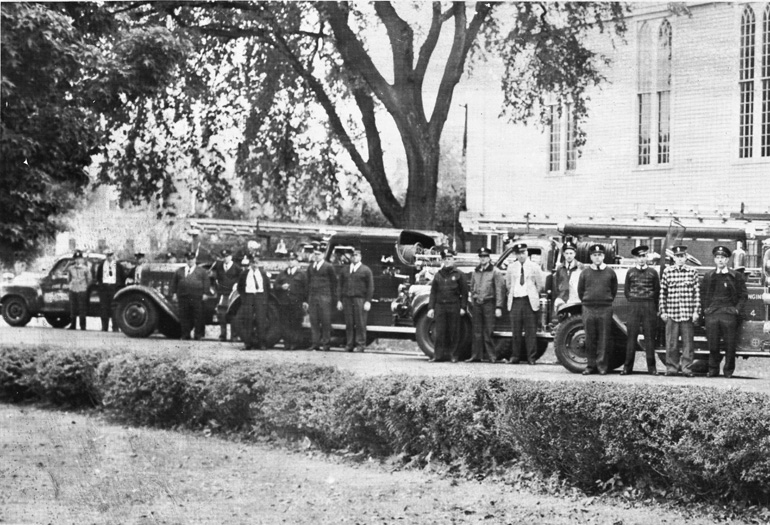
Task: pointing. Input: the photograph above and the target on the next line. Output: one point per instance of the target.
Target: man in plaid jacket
(679, 309)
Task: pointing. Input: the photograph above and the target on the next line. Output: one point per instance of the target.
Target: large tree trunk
(420, 205)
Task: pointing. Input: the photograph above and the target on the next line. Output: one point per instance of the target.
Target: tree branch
(401, 39)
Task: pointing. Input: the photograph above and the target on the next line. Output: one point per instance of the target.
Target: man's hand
(498, 312)
(695, 317)
(367, 306)
(285, 286)
(664, 317)
(339, 305)
(305, 306)
(462, 311)
(430, 313)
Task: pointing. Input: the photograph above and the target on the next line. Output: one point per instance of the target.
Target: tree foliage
(64, 67)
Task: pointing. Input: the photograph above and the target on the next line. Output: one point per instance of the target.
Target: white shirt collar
(602, 266)
(723, 270)
(642, 267)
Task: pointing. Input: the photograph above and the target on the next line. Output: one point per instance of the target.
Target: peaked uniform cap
(640, 250)
(721, 250)
(596, 248)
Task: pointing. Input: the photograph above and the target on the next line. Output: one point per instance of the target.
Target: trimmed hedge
(690, 443)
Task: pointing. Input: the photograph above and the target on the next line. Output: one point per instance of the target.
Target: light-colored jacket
(534, 282)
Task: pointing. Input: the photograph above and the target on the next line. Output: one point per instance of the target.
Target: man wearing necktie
(321, 296)
(356, 287)
(254, 289)
(524, 281)
(190, 285)
(224, 273)
(109, 278)
(723, 295)
(565, 278)
(291, 288)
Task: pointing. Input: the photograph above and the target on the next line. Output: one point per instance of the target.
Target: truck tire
(569, 345)
(425, 338)
(57, 320)
(137, 316)
(15, 311)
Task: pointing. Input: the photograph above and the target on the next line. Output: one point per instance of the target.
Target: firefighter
(447, 305)
(597, 288)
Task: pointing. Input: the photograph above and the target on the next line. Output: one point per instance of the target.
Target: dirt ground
(73, 468)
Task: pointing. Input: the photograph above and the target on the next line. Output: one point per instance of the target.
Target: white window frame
(562, 155)
(649, 84)
(759, 83)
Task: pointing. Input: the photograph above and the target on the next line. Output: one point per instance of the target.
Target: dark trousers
(641, 314)
(355, 321)
(597, 321)
(78, 308)
(222, 314)
(483, 326)
(106, 295)
(320, 312)
(191, 315)
(291, 323)
(523, 318)
(253, 317)
(722, 324)
(446, 331)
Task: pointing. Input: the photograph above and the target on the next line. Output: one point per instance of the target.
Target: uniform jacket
(736, 287)
(487, 284)
(322, 282)
(224, 279)
(297, 282)
(79, 277)
(196, 284)
(245, 275)
(642, 285)
(561, 281)
(120, 274)
(357, 284)
(448, 287)
(534, 281)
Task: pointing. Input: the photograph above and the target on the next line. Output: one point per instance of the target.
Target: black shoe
(602, 372)
(588, 372)
(454, 359)
(513, 361)
(327, 348)
(104, 329)
(652, 372)
(689, 374)
(711, 374)
(531, 361)
(223, 338)
(83, 328)
(197, 337)
(728, 375)
(625, 372)
(115, 329)
(350, 348)
(185, 338)
(472, 360)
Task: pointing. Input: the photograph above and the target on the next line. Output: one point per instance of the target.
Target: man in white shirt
(254, 290)
(109, 278)
(524, 280)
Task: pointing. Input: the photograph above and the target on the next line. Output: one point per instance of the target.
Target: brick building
(682, 126)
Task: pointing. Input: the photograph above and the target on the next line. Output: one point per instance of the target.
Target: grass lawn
(64, 467)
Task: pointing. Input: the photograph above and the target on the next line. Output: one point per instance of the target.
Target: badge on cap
(569, 245)
(721, 250)
(640, 250)
(679, 250)
(519, 247)
(484, 252)
(447, 253)
(596, 248)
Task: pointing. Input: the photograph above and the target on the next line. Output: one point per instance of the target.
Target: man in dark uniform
(356, 287)
(136, 272)
(224, 274)
(291, 287)
(321, 296)
(487, 296)
(254, 290)
(447, 304)
(109, 278)
(565, 278)
(597, 288)
(723, 295)
(642, 289)
(190, 285)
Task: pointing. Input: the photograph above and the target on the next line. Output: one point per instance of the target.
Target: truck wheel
(15, 311)
(136, 315)
(426, 341)
(57, 320)
(424, 334)
(570, 344)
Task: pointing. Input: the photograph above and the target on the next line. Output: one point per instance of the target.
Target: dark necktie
(521, 279)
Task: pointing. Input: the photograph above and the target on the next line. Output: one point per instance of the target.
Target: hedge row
(696, 443)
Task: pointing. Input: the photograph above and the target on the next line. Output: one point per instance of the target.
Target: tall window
(653, 102)
(562, 150)
(754, 84)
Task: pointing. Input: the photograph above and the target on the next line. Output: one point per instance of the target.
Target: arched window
(663, 77)
(644, 94)
(746, 84)
(653, 87)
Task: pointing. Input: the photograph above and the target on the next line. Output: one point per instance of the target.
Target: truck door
(55, 288)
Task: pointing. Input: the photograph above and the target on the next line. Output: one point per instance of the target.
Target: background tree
(63, 67)
(299, 82)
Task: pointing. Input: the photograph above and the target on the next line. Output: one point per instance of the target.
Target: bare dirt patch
(61, 468)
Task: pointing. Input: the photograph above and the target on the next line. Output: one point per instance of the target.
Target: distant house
(682, 126)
